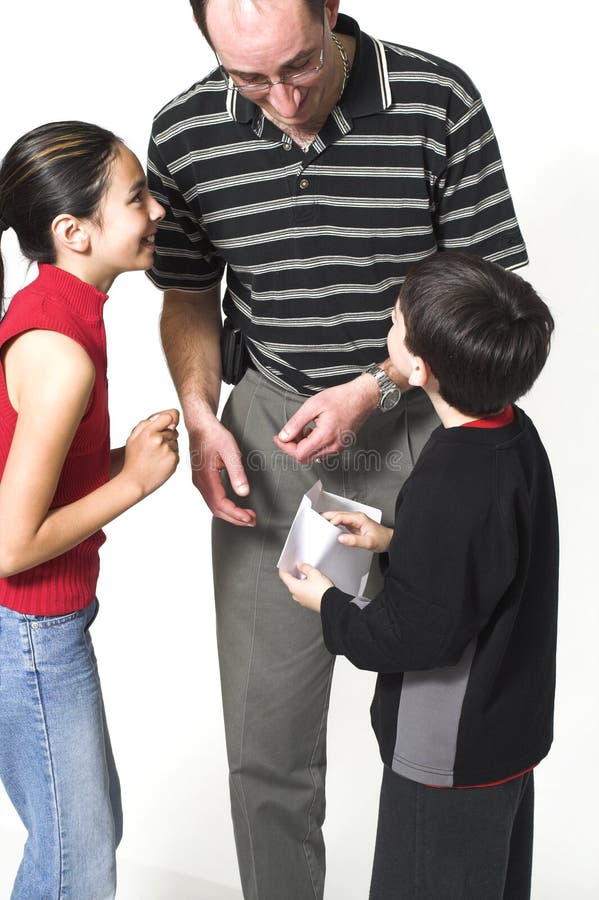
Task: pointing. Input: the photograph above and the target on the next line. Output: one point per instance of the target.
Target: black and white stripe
(316, 244)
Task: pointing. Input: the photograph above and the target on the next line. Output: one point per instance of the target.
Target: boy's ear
(420, 373)
(70, 233)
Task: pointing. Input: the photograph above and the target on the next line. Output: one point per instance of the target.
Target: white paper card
(313, 540)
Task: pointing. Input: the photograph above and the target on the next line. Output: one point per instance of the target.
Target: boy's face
(399, 354)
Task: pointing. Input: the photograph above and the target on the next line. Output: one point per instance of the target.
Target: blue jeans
(56, 762)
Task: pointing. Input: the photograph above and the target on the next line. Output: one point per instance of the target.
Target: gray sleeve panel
(428, 719)
(360, 601)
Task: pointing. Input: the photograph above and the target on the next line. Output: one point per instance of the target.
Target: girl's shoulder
(39, 362)
(70, 308)
(30, 307)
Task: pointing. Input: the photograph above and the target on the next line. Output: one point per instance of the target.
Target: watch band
(389, 392)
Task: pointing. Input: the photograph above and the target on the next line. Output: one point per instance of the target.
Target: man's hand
(307, 591)
(327, 422)
(190, 326)
(364, 531)
(213, 449)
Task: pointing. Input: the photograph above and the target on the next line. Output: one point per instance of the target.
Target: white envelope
(313, 540)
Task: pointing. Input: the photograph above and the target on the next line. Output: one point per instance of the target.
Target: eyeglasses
(253, 88)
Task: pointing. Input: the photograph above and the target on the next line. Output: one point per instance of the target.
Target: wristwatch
(389, 392)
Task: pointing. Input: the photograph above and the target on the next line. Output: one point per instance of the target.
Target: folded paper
(314, 540)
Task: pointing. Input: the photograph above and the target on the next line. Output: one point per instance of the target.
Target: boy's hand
(364, 531)
(307, 591)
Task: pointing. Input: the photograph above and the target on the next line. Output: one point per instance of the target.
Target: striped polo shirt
(316, 243)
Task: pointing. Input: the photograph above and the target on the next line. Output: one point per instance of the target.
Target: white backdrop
(115, 63)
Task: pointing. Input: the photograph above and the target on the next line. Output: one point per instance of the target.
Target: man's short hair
(199, 12)
(483, 331)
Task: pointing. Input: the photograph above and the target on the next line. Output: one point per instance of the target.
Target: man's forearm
(190, 328)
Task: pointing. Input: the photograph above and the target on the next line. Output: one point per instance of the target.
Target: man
(314, 165)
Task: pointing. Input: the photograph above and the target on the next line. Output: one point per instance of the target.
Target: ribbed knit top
(59, 301)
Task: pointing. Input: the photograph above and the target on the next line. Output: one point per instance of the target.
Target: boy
(463, 632)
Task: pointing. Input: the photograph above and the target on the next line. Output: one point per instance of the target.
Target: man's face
(272, 40)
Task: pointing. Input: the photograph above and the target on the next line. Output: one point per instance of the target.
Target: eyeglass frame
(263, 87)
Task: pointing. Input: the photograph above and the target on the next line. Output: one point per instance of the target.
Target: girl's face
(123, 241)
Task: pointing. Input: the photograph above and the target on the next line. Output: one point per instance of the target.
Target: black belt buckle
(234, 354)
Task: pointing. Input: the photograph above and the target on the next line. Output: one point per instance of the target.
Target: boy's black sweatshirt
(464, 630)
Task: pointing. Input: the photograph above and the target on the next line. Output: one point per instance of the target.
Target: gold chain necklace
(344, 60)
(346, 69)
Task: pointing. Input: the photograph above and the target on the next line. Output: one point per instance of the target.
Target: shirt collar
(85, 299)
(368, 90)
(506, 417)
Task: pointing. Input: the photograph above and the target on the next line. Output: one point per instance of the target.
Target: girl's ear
(420, 373)
(70, 233)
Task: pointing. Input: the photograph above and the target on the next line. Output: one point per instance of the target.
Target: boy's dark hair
(61, 167)
(199, 11)
(483, 331)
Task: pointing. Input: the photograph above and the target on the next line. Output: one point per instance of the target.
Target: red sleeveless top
(59, 301)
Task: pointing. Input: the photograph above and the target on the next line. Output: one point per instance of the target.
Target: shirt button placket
(306, 207)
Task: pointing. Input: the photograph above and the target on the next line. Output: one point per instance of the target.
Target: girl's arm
(49, 379)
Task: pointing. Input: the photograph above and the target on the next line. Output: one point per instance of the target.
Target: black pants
(453, 844)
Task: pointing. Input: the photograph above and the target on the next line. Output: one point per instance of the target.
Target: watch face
(390, 399)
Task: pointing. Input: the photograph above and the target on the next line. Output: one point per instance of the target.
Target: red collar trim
(498, 421)
(469, 787)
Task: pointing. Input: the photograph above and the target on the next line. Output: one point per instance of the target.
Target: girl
(78, 201)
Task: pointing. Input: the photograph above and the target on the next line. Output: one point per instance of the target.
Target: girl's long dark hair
(61, 167)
